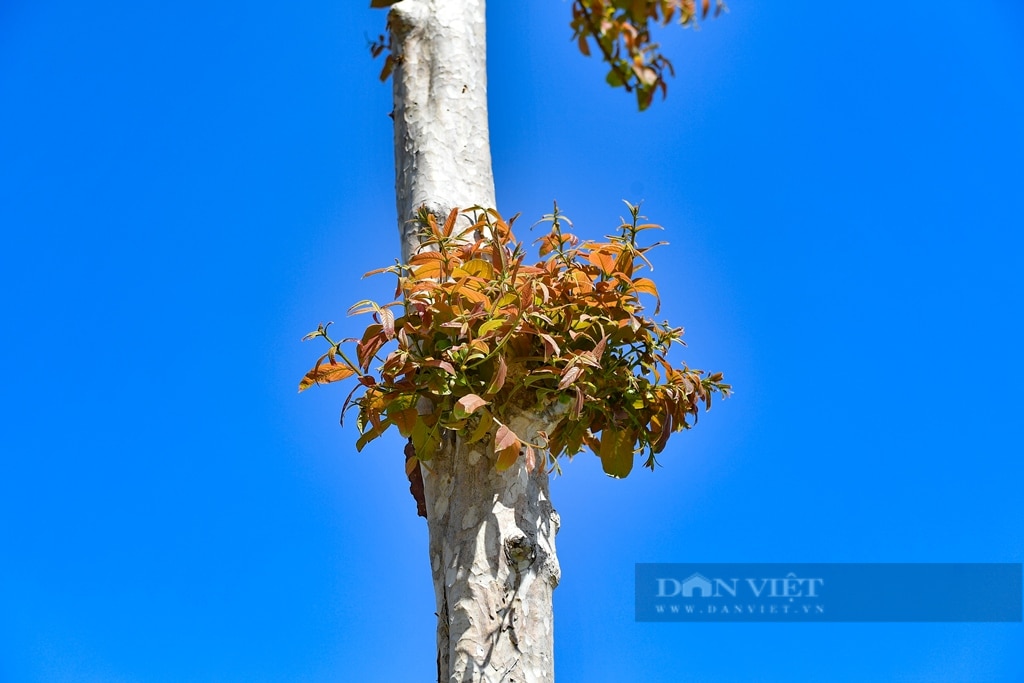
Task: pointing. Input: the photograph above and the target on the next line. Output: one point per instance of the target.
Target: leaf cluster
(477, 335)
(380, 45)
(621, 30)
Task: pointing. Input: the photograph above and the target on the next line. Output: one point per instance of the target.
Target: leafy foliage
(476, 334)
(621, 30)
(379, 46)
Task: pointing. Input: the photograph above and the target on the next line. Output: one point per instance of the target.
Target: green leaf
(644, 97)
(616, 452)
(490, 325)
(371, 435)
(425, 439)
(482, 428)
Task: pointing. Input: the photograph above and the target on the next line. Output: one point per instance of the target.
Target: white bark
(442, 144)
(492, 549)
(492, 555)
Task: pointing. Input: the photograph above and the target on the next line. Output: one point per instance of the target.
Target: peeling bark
(415, 480)
(493, 561)
(492, 534)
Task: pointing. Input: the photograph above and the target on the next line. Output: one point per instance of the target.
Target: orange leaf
(468, 404)
(642, 284)
(506, 446)
(498, 381)
(479, 268)
(624, 263)
(506, 458)
(645, 285)
(410, 466)
(449, 222)
(405, 420)
(425, 257)
(389, 66)
(463, 289)
(432, 223)
(547, 244)
(368, 348)
(604, 261)
(325, 374)
(584, 48)
(433, 269)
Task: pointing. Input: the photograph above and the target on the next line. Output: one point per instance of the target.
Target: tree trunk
(442, 145)
(492, 550)
(492, 556)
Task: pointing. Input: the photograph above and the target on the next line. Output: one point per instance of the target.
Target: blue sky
(186, 189)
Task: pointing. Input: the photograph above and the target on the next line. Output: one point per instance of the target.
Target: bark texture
(492, 557)
(442, 143)
(492, 549)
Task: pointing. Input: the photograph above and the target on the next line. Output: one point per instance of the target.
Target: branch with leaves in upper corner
(621, 32)
(476, 335)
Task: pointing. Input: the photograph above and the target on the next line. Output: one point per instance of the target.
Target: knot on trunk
(405, 16)
(520, 551)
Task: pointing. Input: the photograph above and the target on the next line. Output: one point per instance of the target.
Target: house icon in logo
(698, 583)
